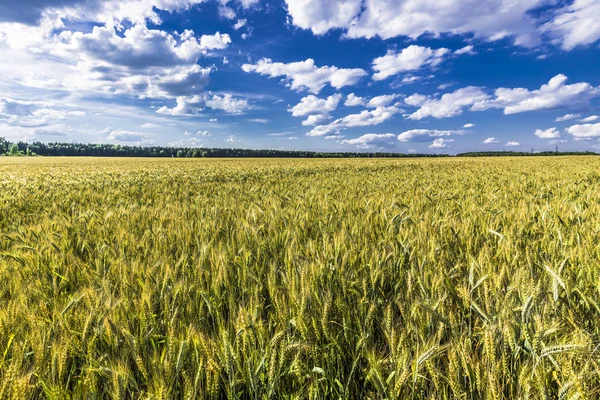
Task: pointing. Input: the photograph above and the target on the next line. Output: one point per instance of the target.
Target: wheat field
(300, 279)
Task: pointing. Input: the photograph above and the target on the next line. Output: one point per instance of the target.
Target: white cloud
(129, 137)
(591, 118)
(576, 24)
(111, 12)
(334, 137)
(150, 126)
(240, 24)
(313, 105)
(316, 119)
(259, 120)
(186, 106)
(415, 99)
(365, 118)
(490, 140)
(550, 133)
(420, 135)
(449, 105)
(382, 101)
(315, 108)
(227, 103)
(199, 133)
(486, 19)
(440, 143)
(585, 131)
(213, 120)
(306, 75)
(512, 144)
(554, 94)
(137, 61)
(354, 100)
(465, 50)
(322, 15)
(372, 140)
(227, 12)
(409, 59)
(216, 41)
(28, 113)
(468, 126)
(192, 105)
(567, 117)
(407, 80)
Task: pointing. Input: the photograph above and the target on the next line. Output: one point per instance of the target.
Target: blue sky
(336, 75)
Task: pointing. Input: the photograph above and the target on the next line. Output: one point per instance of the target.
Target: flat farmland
(294, 278)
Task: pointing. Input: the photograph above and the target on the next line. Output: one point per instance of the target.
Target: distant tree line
(114, 150)
(524, 153)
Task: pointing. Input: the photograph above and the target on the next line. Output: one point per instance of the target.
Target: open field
(425, 279)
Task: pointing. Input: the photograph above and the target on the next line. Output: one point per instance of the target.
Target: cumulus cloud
(194, 105)
(216, 41)
(420, 135)
(486, 19)
(364, 118)
(139, 61)
(512, 144)
(440, 143)
(316, 119)
(551, 133)
(315, 108)
(227, 103)
(415, 99)
(354, 100)
(448, 105)
(112, 12)
(468, 126)
(129, 137)
(576, 24)
(554, 94)
(306, 75)
(186, 106)
(409, 59)
(382, 101)
(591, 118)
(322, 15)
(490, 140)
(198, 133)
(584, 131)
(567, 117)
(311, 104)
(110, 57)
(372, 140)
